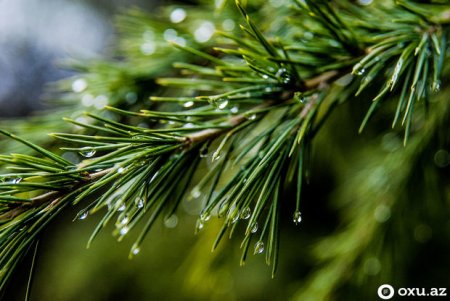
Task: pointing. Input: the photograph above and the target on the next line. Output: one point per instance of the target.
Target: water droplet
(233, 216)
(170, 34)
(222, 105)
(436, 86)
(121, 170)
(204, 32)
(228, 24)
(131, 97)
(297, 217)
(122, 208)
(364, 2)
(12, 180)
(255, 228)
(135, 250)
(246, 213)
(125, 220)
(205, 216)
(79, 85)
(188, 125)
(268, 89)
(251, 117)
(188, 104)
(148, 48)
(171, 221)
(234, 109)
(265, 76)
(382, 213)
(283, 75)
(199, 225)
(87, 152)
(442, 158)
(216, 155)
(83, 215)
(100, 101)
(124, 230)
(196, 193)
(140, 204)
(259, 247)
(361, 71)
(204, 152)
(177, 15)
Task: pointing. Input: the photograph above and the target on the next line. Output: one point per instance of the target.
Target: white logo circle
(385, 291)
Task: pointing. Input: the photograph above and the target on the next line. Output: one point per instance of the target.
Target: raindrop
(283, 75)
(125, 220)
(148, 48)
(255, 228)
(120, 170)
(177, 15)
(171, 221)
(87, 100)
(234, 216)
(203, 152)
(124, 230)
(121, 208)
(297, 217)
(361, 71)
(204, 32)
(83, 216)
(14, 180)
(100, 101)
(246, 213)
(251, 117)
(170, 34)
(205, 216)
(259, 247)
(140, 203)
(79, 85)
(188, 104)
(223, 104)
(199, 225)
(135, 250)
(216, 155)
(188, 125)
(196, 193)
(265, 76)
(87, 152)
(234, 110)
(228, 24)
(436, 86)
(442, 158)
(364, 2)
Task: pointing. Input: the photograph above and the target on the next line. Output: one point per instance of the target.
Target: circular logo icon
(385, 291)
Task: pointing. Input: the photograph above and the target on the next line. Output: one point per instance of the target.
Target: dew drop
(246, 213)
(222, 105)
(234, 216)
(234, 110)
(203, 152)
(199, 225)
(436, 86)
(265, 76)
(83, 216)
(140, 204)
(297, 217)
(259, 247)
(196, 193)
(120, 170)
(255, 228)
(177, 15)
(135, 250)
(121, 208)
(124, 230)
(87, 152)
(251, 117)
(79, 85)
(125, 220)
(283, 75)
(228, 24)
(148, 48)
(204, 32)
(188, 125)
(205, 216)
(171, 221)
(216, 155)
(361, 71)
(188, 104)
(13, 180)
